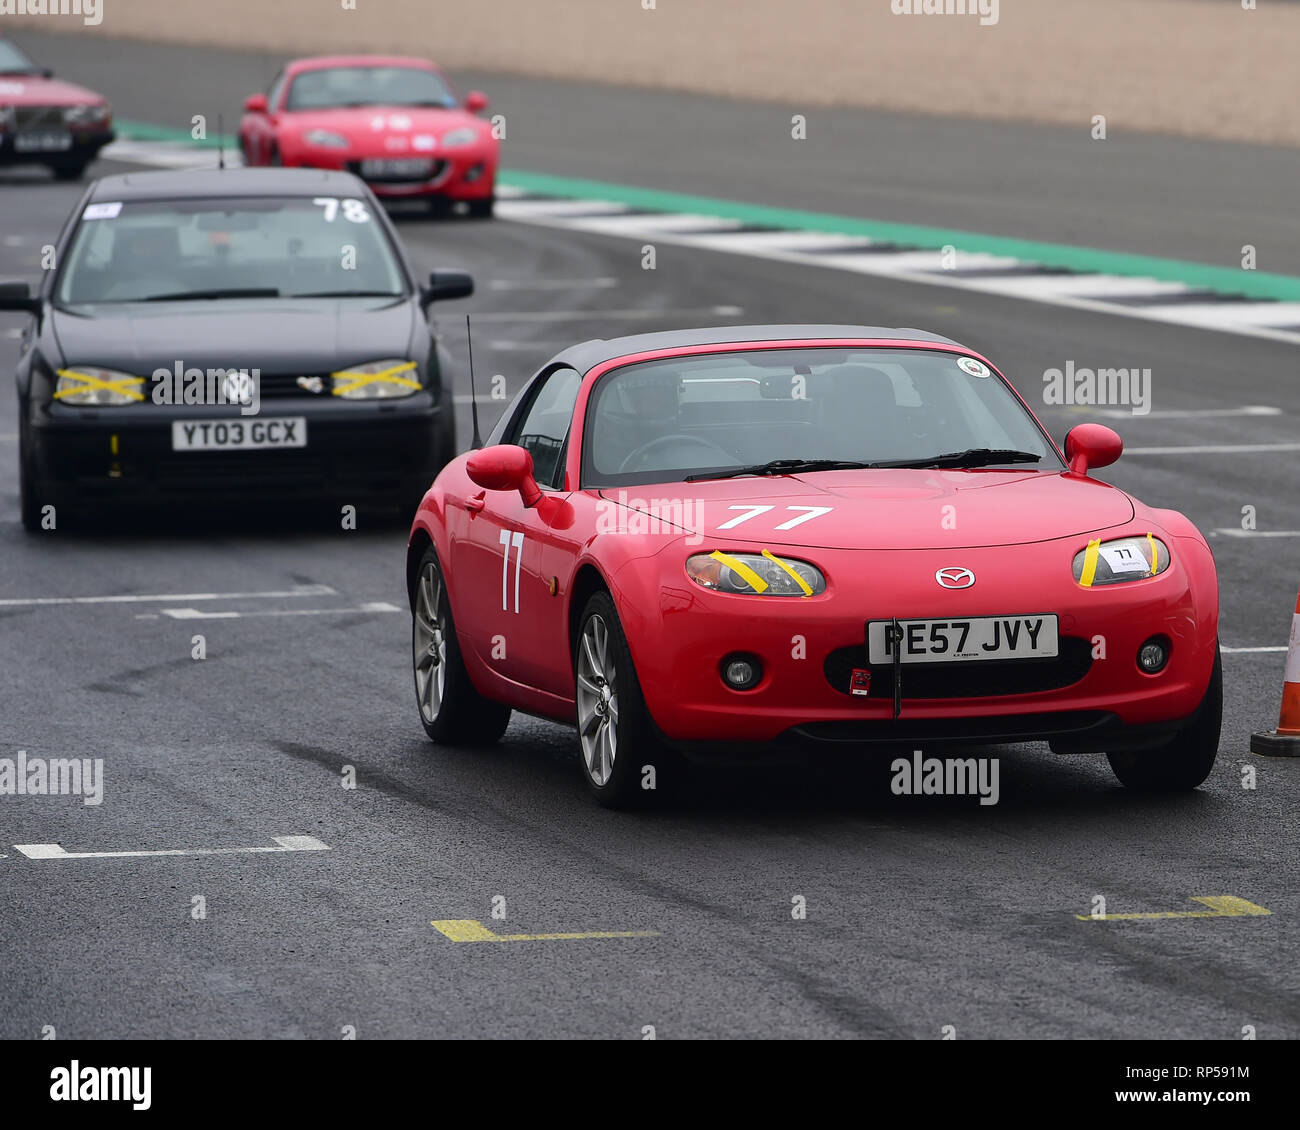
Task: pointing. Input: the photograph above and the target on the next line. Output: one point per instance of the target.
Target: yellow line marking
(1090, 564)
(388, 376)
(471, 930)
(1221, 906)
(798, 580)
(95, 382)
(751, 578)
(1155, 557)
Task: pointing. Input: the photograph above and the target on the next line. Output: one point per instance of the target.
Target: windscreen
(661, 421)
(269, 247)
(344, 87)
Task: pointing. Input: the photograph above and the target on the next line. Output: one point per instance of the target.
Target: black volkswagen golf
(231, 335)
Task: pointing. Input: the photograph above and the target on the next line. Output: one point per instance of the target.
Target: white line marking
(1237, 532)
(601, 283)
(17, 332)
(14, 240)
(596, 315)
(1185, 413)
(283, 843)
(1251, 650)
(195, 614)
(1214, 449)
(557, 209)
(302, 590)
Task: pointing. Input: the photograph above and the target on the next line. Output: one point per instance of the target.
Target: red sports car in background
(47, 122)
(393, 121)
(806, 536)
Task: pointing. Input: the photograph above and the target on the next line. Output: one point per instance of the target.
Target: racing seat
(858, 412)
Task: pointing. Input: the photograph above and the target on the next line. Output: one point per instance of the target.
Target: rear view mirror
(17, 296)
(505, 466)
(1091, 445)
(447, 284)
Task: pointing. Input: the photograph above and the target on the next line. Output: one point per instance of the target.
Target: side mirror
(476, 102)
(505, 467)
(1091, 445)
(47, 72)
(18, 296)
(446, 284)
(256, 104)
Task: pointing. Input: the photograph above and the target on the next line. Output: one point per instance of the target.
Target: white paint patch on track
(157, 598)
(283, 844)
(196, 614)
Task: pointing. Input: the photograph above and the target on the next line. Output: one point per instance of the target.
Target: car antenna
(473, 399)
(221, 142)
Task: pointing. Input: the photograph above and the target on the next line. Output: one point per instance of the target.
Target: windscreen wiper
(200, 295)
(781, 467)
(346, 294)
(971, 457)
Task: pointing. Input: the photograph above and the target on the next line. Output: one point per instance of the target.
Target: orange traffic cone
(1285, 740)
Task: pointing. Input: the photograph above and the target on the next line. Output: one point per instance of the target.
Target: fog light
(472, 174)
(1153, 655)
(741, 672)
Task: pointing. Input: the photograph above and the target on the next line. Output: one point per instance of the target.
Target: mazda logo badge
(955, 578)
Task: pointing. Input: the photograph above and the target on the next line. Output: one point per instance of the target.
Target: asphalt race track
(920, 912)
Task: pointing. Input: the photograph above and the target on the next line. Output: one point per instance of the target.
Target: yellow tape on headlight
(741, 570)
(88, 382)
(387, 376)
(1089, 573)
(798, 580)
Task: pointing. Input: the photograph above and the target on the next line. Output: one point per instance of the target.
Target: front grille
(974, 679)
(276, 385)
(38, 118)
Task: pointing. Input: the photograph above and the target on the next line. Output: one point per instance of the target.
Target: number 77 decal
(509, 539)
(754, 511)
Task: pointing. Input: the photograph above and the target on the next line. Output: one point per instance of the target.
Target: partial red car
(393, 121)
(44, 121)
(837, 537)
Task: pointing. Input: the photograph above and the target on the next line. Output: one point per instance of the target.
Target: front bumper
(381, 448)
(86, 144)
(467, 173)
(1092, 697)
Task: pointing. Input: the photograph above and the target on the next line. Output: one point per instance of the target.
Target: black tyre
(482, 209)
(30, 493)
(623, 762)
(451, 710)
(71, 169)
(1182, 763)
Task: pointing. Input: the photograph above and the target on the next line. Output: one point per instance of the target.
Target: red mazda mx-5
(806, 536)
(393, 121)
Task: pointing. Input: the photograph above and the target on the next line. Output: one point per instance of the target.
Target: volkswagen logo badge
(955, 578)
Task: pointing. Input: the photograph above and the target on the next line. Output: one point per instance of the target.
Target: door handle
(475, 505)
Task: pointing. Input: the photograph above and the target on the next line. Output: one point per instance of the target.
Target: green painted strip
(129, 130)
(1222, 280)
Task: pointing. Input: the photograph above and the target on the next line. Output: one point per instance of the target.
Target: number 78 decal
(811, 512)
(508, 540)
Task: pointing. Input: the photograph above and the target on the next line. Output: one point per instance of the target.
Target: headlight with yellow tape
(88, 386)
(1120, 560)
(377, 380)
(755, 573)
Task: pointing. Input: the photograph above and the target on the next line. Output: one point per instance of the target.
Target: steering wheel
(655, 445)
